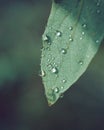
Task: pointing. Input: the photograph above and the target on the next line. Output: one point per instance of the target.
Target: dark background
(23, 105)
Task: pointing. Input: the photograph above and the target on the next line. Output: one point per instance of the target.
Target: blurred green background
(23, 105)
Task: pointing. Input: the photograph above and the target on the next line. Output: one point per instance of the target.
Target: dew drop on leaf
(83, 33)
(49, 66)
(56, 90)
(70, 39)
(84, 25)
(46, 39)
(98, 11)
(54, 70)
(64, 81)
(98, 3)
(43, 73)
(63, 51)
(70, 28)
(58, 33)
(80, 62)
(62, 87)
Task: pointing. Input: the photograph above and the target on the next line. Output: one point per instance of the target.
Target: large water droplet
(54, 70)
(63, 51)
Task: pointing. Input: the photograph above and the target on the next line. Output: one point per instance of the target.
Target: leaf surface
(72, 37)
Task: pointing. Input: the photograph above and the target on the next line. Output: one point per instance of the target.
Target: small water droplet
(62, 87)
(56, 90)
(48, 60)
(61, 95)
(98, 3)
(70, 39)
(81, 62)
(98, 11)
(84, 25)
(42, 55)
(49, 66)
(54, 64)
(83, 33)
(54, 70)
(70, 28)
(97, 41)
(87, 56)
(64, 80)
(42, 73)
(58, 33)
(63, 51)
(80, 38)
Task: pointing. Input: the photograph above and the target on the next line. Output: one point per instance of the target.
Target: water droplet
(70, 28)
(98, 3)
(84, 25)
(64, 80)
(54, 70)
(81, 62)
(87, 56)
(49, 66)
(63, 51)
(83, 33)
(42, 73)
(42, 55)
(61, 95)
(62, 87)
(80, 38)
(97, 41)
(48, 60)
(98, 11)
(56, 90)
(46, 39)
(58, 33)
(54, 64)
(70, 39)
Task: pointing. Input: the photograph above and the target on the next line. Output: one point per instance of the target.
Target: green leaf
(72, 37)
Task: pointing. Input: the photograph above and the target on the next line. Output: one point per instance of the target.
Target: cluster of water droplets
(98, 3)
